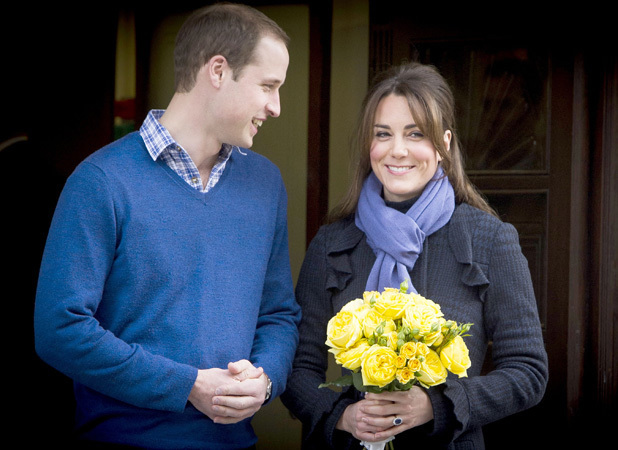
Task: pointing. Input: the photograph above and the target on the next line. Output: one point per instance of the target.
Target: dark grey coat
(474, 269)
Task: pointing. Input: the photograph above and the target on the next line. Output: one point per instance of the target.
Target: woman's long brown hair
(433, 108)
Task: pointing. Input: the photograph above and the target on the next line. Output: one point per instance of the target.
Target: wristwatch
(269, 389)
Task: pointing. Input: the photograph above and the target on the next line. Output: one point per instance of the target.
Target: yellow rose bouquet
(393, 340)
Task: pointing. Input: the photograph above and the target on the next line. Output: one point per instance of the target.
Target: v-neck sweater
(145, 280)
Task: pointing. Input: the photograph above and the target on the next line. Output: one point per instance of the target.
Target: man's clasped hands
(230, 395)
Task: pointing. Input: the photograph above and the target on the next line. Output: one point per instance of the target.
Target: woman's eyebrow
(407, 127)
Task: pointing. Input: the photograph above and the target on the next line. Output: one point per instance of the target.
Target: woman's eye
(382, 134)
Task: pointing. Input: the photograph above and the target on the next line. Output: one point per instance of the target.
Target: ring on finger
(397, 421)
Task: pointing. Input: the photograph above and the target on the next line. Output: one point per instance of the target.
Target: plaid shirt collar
(161, 144)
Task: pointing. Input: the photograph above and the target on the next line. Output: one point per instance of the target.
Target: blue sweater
(145, 280)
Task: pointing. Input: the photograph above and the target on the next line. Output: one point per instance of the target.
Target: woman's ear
(447, 139)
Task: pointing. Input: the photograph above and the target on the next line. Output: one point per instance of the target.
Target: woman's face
(402, 158)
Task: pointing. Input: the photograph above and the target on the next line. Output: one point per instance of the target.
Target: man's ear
(217, 70)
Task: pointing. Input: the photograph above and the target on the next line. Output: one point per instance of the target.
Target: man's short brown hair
(227, 29)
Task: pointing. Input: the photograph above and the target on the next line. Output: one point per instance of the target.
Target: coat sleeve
(318, 409)
(510, 316)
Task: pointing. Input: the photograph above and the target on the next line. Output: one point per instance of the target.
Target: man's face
(254, 95)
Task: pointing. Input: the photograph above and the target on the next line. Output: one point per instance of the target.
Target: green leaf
(357, 379)
(373, 389)
(359, 386)
(346, 380)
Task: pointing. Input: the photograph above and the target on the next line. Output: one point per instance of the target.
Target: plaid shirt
(161, 144)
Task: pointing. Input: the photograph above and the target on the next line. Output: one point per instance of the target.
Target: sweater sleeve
(519, 376)
(276, 334)
(78, 255)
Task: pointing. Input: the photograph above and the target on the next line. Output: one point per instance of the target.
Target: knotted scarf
(397, 238)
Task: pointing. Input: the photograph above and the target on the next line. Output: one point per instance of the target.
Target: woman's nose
(399, 148)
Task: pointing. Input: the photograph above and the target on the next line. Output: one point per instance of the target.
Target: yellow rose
(378, 366)
(425, 321)
(434, 338)
(455, 357)
(414, 365)
(408, 350)
(353, 305)
(421, 349)
(392, 303)
(358, 307)
(343, 330)
(373, 319)
(432, 371)
(370, 295)
(391, 339)
(351, 358)
(400, 361)
(404, 375)
(425, 302)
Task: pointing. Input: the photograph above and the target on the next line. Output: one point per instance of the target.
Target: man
(165, 290)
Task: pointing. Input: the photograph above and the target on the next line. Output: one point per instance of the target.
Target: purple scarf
(397, 238)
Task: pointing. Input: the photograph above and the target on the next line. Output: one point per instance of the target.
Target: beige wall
(284, 140)
(349, 78)
(350, 53)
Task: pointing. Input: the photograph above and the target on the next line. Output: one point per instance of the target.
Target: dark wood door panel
(515, 122)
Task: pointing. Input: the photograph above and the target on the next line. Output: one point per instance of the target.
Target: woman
(412, 213)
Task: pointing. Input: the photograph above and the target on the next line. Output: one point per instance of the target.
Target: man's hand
(243, 370)
(232, 395)
(206, 383)
(234, 402)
